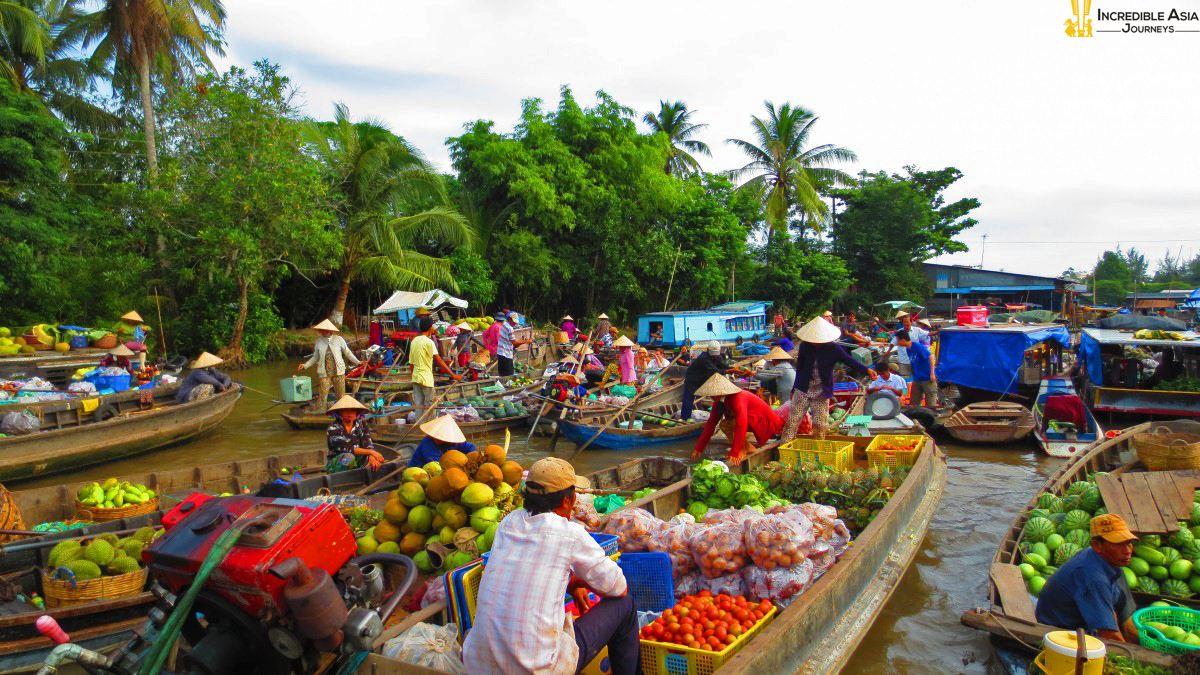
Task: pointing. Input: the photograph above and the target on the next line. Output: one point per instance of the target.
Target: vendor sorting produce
(699, 371)
(780, 376)
(625, 360)
(349, 438)
(505, 349)
(538, 556)
(330, 355)
(736, 411)
(204, 379)
(568, 326)
(1090, 591)
(814, 376)
(134, 334)
(441, 434)
(118, 357)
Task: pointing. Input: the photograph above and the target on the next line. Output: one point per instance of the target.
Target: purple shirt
(824, 356)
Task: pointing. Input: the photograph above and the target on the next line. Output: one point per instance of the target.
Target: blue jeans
(612, 622)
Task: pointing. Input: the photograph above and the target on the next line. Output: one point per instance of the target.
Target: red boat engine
(289, 591)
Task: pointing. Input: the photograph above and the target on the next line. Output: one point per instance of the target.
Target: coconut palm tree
(790, 175)
(674, 120)
(168, 38)
(374, 175)
(27, 32)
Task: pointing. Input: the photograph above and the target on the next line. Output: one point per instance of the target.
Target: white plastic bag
(430, 646)
(19, 423)
(780, 585)
(634, 528)
(435, 591)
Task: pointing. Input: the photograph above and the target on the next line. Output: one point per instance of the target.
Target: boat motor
(280, 589)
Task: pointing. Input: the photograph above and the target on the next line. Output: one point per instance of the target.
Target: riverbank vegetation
(134, 176)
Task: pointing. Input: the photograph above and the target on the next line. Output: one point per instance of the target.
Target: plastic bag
(780, 585)
(688, 584)
(822, 557)
(778, 541)
(730, 584)
(738, 516)
(19, 423)
(674, 540)
(585, 513)
(700, 415)
(719, 549)
(435, 591)
(81, 388)
(822, 517)
(634, 528)
(427, 645)
(608, 503)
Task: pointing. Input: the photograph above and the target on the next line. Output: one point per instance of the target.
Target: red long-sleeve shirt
(749, 413)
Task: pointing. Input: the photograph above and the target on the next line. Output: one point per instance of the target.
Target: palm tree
(144, 37)
(27, 32)
(374, 173)
(790, 175)
(40, 58)
(673, 119)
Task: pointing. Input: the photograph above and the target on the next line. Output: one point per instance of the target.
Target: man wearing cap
(506, 346)
(203, 380)
(916, 334)
(348, 438)
(330, 355)
(701, 368)
(422, 352)
(1089, 591)
(736, 411)
(414, 324)
(462, 344)
(441, 434)
(816, 357)
(538, 556)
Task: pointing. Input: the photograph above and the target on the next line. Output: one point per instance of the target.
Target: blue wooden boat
(626, 432)
(1062, 442)
(723, 323)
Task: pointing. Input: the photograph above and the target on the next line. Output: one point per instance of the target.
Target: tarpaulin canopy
(1029, 316)
(1138, 322)
(1154, 303)
(989, 358)
(899, 305)
(431, 300)
(1193, 301)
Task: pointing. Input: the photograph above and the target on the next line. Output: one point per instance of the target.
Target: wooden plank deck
(1011, 587)
(1151, 502)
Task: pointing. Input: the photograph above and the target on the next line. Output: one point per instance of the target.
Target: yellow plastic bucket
(1058, 656)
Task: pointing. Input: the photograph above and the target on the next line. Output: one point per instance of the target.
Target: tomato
(714, 643)
(706, 647)
(706, 594)
(747, 624)
(765, 606)
(720, 633)
(736, 629)
(673, 627)
(741, 615)
(757, 614)
(668, 615)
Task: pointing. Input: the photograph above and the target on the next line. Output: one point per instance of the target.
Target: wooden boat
(1127, 399)
(74, 406)
(620, 435)
(71, 440)
(1010, 617)
(996, 422)
(1063, 442)
(821, 629)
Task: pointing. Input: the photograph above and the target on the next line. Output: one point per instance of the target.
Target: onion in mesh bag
(585, 514)
(674, 541)
(633, 528)
(719, 549)
(780, 585)
(730, 584)
(777, 541)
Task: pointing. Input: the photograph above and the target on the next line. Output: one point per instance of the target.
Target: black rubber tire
(923, 415)
(105, 412)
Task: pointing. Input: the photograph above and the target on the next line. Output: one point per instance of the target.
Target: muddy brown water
(917, 632)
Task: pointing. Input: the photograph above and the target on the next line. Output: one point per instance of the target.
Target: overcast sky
(1094, 141)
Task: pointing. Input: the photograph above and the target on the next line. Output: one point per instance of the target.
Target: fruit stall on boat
(1063, 425)
(1110, 476)
(986, 362)
(1111, 372)
(70, 439)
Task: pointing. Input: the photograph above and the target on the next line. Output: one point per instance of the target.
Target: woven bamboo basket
(101, 515)
(107, 342)
(10, 516)
(1164, 450)
(60, 592)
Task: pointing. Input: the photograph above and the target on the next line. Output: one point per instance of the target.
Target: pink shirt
(625, 364)
(520, 623)
(491, 338)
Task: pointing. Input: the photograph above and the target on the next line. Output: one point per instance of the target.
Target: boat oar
(432, 406)
(541, 411)
(613, 418)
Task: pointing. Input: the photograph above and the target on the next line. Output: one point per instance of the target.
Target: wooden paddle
(432, 406)
(613, 418)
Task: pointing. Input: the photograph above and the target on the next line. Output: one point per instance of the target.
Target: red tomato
(720, 632)
(765, 606)
(714, 643)
(729, 639)
(757, 614)
(741, 615)
(688, 638)
(706, 594)
(736, 629)
(673, 627)
(706, 647)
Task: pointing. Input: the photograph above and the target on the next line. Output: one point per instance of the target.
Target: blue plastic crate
(608, 542)
(78, 342)
(113, 382)
(649, 578)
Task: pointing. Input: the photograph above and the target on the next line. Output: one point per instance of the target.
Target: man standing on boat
(422, 352)
(924, 369)
(1089, 591)
(736, 411)
(538, 556)
(916, 333)
(491, 336)
(330, 355)
(506, 348)
(701, 368)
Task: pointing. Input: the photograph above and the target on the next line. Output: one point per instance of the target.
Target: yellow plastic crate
(837, 454)
(881, 458)
(660, 658)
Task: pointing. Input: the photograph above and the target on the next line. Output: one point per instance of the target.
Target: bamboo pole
(161, 331)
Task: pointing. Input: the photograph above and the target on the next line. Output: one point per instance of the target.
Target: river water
(918, 631)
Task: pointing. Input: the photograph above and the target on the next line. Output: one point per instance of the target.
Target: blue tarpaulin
(1193, 301)
(1089, 351)
(990, 359)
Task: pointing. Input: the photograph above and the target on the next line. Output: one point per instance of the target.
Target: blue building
(724, 323)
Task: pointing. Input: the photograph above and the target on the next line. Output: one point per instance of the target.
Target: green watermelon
(1190, 550)
(1151, 540)
(1063, 553)
(1176, 589)
(1079, 487)
(1077, 520)
(1170, 555)
(1070, 503)
(1148, 585)
(1054, 541)
(1081, 538)
(1102, 511)
(1090, 501)
(1195, 519)
(1039, 513)
(1194, 583)
(1140, 567)
(1047, 500)
(1037, 529)
(1159, 573)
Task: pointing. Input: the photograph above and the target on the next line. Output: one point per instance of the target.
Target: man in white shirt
(917, 334)
(537, 557)
(505, 348)
(887, 381)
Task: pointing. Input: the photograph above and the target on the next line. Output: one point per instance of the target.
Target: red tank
(273, 531)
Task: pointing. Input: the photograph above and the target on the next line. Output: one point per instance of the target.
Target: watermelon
(1170, 555)
(1070, 503)
(1036, 560)
(1079, 487)
(1077, 520)
(1054, 541)
(1140, 567)
(1046, 501)
(1176, 589)
(1090, 501)
(1049, 570)
(1194, 583)
(1039, 513)
(1147, 585)
(1195, 530)
(1195, 519)
(1130, 577)
(1081, 538)
(1159, 573)
(1063, 553)
(1057, 518)
(1041, 549)
(1152, 540)
(1190, 550)
(1037, 529)
(1102, 511)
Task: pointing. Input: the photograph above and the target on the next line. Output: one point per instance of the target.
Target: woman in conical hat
(780, 375)
(348, 438)
(814, 375)
(132, 332)
(736, 412)
(441, 434)
(204, 380)
(330, 354)
(567, 326)
(625, 360)
(118, 357)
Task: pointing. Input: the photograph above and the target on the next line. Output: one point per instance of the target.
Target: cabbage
(697, 509)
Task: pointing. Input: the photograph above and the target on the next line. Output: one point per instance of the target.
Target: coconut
(433, 469)
(489, 474)
(452, 459)
(395, 512)
(482, 518)
(386, 531)
(477, 495)
(366, 545)
(438, 489)
(474, 459)
(456, 516)
(388, 547)
(438, 522)
(420, 519)
(412, 543)
(458, 559)
(457, 478)
(494, 454)
(421, 560)
(512, 472)
(416, 474)
(412, 494)
(446, 535)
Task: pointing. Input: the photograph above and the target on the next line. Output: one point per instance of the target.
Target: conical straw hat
(602, 316)
(569, 359)
(464, 326)
(900, 315)
(444, 429)
(567, 317)
(205, 360)
(581, 347)
(827, 313)
(347, 402)
(819, 331)
(623, 342)
(121, 350)
(132, 316)
(778, 353)
(327, 325)
(717, 385)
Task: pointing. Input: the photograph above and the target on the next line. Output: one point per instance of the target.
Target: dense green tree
(788, 173)
(804, 280)
(673, 120)
(375, 176)
(474, 277)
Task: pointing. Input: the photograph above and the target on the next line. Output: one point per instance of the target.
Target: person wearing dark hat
(348, 438)
(736, 411)
(1089, 591)
(520, 625)
(204, 380)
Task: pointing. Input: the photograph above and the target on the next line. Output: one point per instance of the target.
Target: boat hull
(69, 449)
(624, 439)
(996, 422)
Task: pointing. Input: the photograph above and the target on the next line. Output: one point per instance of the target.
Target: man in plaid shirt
(537, 557)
